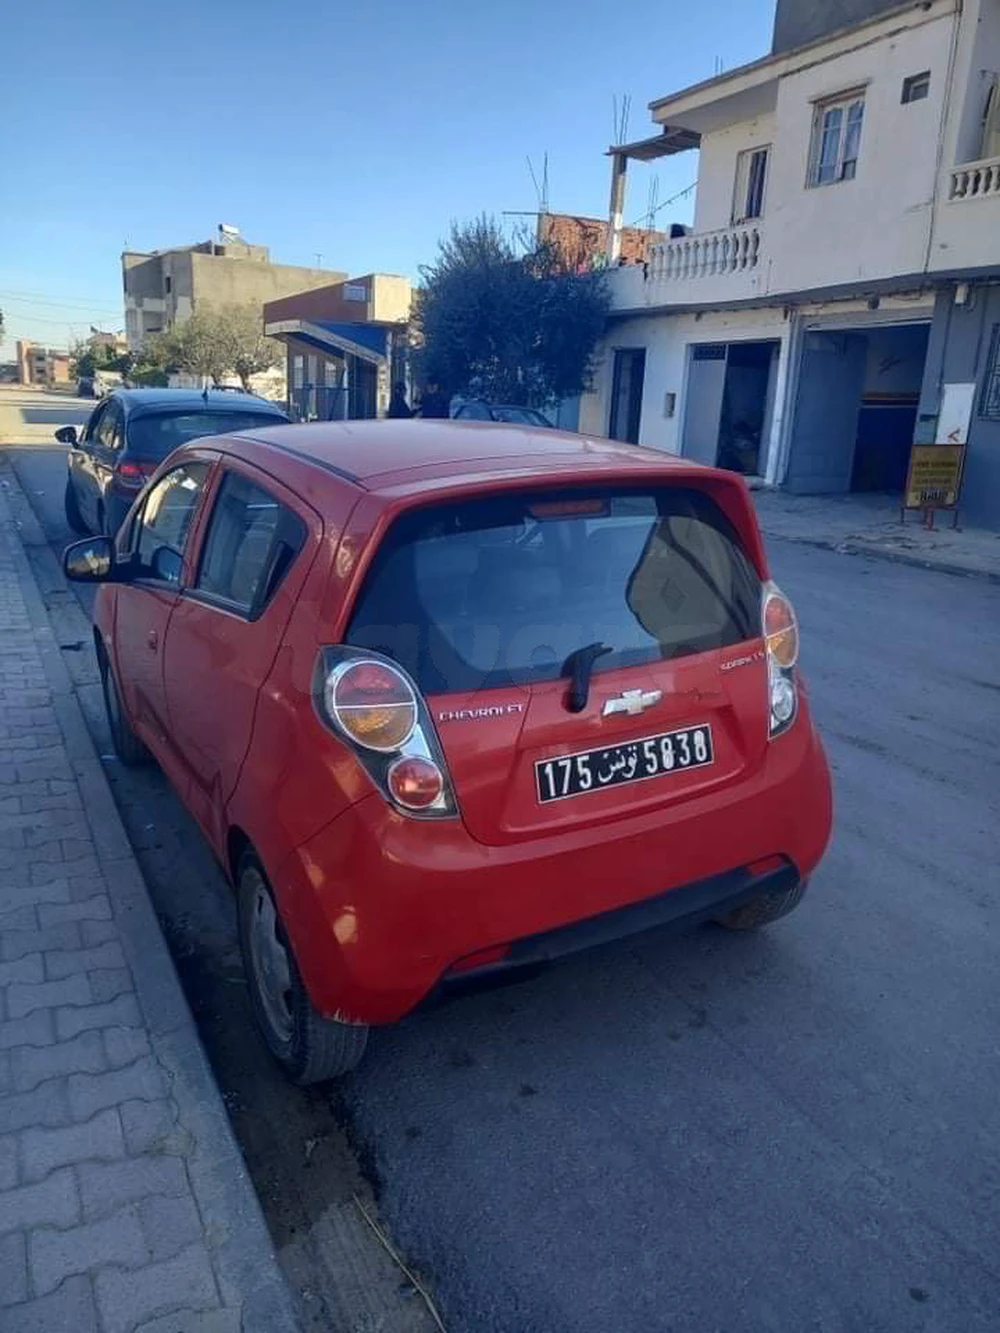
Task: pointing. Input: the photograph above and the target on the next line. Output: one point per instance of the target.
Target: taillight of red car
(781, 638)
(372, 704)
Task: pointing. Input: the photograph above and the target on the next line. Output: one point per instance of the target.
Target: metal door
(827, 403)
(703, 407)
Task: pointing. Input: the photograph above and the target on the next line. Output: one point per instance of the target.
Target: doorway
(730, 403)
(856, 408)
(626, 394)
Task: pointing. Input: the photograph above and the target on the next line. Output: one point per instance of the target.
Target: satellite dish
(226, 230)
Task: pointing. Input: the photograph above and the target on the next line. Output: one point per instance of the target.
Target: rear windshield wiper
(579, 667)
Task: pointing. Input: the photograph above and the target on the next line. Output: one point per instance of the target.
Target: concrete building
(847, 211)
(41, 365)
(165, 286)
(347, 345)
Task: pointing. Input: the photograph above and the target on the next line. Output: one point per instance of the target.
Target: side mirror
(90, 561)
(66, 435)
(167, 565)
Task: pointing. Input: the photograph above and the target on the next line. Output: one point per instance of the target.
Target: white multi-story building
(841, 269)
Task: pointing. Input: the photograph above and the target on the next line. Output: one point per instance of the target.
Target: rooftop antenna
(620, 117)
(539, 196)
(652, 202)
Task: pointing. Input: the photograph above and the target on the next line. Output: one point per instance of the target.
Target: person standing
(434, 402)
(399, 408)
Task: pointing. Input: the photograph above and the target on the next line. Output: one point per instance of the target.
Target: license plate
(617, 765)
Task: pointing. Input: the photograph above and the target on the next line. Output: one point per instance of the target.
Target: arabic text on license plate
(633, 761)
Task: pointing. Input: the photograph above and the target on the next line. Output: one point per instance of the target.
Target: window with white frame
(836, 139)
(751, 182)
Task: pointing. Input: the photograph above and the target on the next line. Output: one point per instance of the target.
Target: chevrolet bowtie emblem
(631, 701)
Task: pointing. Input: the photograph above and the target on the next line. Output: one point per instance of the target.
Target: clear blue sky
(357, 131)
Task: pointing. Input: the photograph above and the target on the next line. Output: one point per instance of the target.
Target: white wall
(713, 207)
(966, 231)
(666, 340)
(874, 227)
(877, 225)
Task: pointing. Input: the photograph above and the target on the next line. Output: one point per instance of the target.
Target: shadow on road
(56, 415)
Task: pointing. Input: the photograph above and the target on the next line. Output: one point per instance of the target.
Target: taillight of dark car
(372, 704)
(132, 476)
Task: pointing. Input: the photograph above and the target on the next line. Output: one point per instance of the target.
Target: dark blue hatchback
(129, 435)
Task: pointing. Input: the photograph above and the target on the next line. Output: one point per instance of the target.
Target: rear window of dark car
(502, 590)
(520, 416)
(154, 435)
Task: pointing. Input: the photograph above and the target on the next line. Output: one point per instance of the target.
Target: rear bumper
(705, 900)
(380, 908)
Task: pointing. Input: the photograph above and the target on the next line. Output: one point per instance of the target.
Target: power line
(44, 319)
(648, 216)
(25, 298)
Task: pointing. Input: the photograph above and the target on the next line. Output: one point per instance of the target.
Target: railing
(975, 180)
(707, 255)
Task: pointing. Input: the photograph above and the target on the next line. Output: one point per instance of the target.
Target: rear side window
(154, 435)
(501, 591)
(251, 542)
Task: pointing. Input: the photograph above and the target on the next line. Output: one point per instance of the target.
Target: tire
(127, 745)
(764, 909)
(309, 1048)
(73, 516)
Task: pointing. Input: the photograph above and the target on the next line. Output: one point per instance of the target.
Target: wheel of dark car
(127, 745)
(309, 1048)
(73, 516)
(761, 911)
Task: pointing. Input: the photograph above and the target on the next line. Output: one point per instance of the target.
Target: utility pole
(619, 163)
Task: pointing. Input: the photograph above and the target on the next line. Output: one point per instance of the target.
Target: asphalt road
(708, 1133)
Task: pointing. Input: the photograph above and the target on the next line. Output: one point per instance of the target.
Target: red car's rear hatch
(585, 652)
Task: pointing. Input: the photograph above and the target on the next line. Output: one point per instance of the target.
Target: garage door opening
(856, 409)
(729, 404)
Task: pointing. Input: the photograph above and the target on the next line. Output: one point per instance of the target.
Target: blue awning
(368, 342)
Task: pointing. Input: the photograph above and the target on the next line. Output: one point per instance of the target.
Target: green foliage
(89, 355)
(216, 341)
(508, 327)
(250, 352)
(151, 366)
(200, 346)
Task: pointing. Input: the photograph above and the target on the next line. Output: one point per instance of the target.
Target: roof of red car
(376, 453)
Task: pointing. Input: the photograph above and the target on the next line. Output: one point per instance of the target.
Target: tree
(200, 345)
(152, 364)
(216, 341)
(250, 351)
(90, 355)
(510, 327)
(1, 329)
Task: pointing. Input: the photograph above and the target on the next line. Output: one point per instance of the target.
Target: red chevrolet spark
(448, 699)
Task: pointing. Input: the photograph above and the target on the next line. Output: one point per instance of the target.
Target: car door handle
(152, 640)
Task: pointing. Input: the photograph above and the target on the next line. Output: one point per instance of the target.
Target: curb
(848, 547)
(235, 1231)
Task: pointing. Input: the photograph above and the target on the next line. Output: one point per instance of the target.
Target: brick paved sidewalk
(124, 1202)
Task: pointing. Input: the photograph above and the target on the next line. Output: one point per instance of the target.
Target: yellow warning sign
(935, 476)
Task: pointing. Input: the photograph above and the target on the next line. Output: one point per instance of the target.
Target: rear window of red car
(501, 590)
